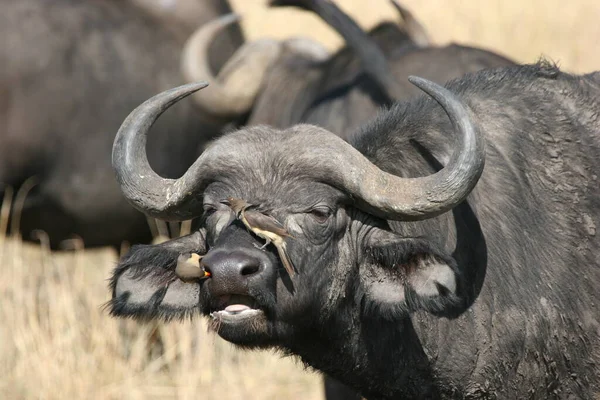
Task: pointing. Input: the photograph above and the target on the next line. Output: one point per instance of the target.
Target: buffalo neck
(380, 359)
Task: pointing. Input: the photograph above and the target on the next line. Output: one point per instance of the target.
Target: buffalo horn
(233, 91)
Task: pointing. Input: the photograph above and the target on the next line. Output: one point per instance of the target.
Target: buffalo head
(335, 207)
(332, 200)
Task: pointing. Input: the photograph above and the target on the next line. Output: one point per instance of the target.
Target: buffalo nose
(231, 270)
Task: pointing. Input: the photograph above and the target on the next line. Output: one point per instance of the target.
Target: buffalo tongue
(237, 308)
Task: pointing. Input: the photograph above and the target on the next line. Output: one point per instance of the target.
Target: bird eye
(321, 215)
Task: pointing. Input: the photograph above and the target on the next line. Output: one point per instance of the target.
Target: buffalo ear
(403, 275)
(144, 284)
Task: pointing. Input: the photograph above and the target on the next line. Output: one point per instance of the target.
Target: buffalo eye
(321, 214)
(209, 209)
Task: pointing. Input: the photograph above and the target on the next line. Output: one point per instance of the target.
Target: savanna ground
(56, 341)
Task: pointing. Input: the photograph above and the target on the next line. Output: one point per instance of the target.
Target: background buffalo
(71, 71)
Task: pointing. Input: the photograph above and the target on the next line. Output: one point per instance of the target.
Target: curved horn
(409, 199)
(308, 48)
(372, 58)
(170, 199)
(416, 31)
(233, 91)
(435, 194)
(339, 163)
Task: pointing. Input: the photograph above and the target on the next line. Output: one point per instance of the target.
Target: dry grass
(57, 343)
(566, 31)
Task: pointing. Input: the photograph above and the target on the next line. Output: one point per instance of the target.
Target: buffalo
(71, 71)
(296, 82)
(448, 250)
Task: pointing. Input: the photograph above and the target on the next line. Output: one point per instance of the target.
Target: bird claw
(259, 246)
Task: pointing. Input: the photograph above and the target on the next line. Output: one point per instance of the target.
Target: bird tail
(285, 260)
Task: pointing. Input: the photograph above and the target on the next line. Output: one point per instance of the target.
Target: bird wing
(265, 222)
(285, 259)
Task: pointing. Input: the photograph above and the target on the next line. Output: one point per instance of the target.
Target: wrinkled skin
(71, 71)
(496, 299)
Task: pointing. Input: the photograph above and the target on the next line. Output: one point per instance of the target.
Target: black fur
(157, 265)
(154, 265)
(162, 264)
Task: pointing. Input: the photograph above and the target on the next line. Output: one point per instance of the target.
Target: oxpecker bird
(265, 227)
(189, 269)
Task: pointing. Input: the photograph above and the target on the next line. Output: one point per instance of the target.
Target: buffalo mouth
(239, 320)
(235, 308)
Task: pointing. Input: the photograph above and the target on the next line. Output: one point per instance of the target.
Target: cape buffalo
(71, 71)
(338, 92)
(419, 273)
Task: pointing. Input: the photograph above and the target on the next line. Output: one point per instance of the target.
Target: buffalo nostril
(231, 268)
(249, 269)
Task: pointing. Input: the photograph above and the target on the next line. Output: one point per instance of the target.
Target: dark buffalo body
(342, 91)
(71, 71)
(339, 96)
(497, 298)
(284, 83)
